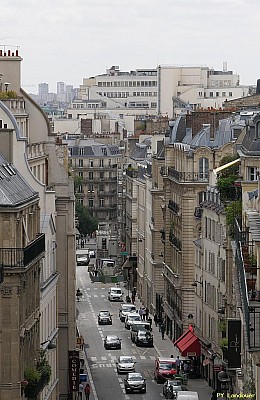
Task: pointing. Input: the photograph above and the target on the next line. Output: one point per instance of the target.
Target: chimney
(224, 66)
(258, 86)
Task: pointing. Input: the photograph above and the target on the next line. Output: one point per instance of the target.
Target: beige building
(26, 141)
(188, 160)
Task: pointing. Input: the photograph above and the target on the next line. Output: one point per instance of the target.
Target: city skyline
(64, 41)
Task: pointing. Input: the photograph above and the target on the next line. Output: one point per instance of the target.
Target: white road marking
(93, 358)
(104, 358)
(143, 357)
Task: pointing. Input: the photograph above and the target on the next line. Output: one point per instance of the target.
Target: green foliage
(77, 182)
(11, 94)
(222, 326)
(37, 377)
(233, 169)
(87, 223)
(223, 343)
(233, 211)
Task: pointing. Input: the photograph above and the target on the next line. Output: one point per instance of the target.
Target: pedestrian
(178, 364)
(146, 313)
(81, 389)
(87, 391)
(140, 312)
(155, 318)
(160, 321)
(162, 330)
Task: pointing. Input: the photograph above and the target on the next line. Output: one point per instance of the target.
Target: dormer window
(252, 173)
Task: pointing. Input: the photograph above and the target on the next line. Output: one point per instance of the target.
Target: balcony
(187, 176)
(198, 212)
(22, 257)
(175, 241)
(250, 307)
(132, 173)
(173, 206)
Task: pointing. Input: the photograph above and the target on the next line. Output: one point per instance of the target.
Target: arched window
(203, 169)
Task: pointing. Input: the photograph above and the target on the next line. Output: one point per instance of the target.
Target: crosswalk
(114, 358)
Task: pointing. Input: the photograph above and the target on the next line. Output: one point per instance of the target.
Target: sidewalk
(165, 348)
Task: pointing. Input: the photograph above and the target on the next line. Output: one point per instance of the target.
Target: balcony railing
(175, 241)
(21, 257)
(188, 176)
(173, 206)
(251, 310)
(132, 173)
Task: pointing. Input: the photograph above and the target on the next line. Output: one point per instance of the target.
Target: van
(165, 368)
(115, 294)
(187, 395)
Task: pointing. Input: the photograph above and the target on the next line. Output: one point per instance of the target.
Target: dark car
(171, 387)
(104, 317)
(134, 382)
(112, 342)
(83, 259)
(143, 338)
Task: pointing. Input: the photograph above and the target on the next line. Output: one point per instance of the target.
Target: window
(203, 168)
(101, 202)
(91, 188)
(101, 163)
(80, 174)
(101, 175)
(81, 151)
(91, 202)
(80, 163)
(223, 94)
(252, 174)
(210, 94)
(104, 244)
(230, 94)
(90, 176)
(91, 164)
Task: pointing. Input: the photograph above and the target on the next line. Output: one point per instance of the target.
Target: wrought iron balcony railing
(22, 257)
(175, 241)
(188, 176)
(173, 206)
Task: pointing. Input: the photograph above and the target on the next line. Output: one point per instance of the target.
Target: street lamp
(6, 86)
(195, 283)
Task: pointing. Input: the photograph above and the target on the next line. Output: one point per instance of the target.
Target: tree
(87, 223)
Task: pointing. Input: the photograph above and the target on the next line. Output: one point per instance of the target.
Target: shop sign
(74, 370)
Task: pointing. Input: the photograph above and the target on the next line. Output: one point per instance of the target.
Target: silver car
(125, 364)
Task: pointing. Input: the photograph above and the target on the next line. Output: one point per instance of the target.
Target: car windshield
(104, 313)
(126, 360)
(143, 333)
(116, 291)
(167, 365)
(134, 317)
(128, 308)
(175, 383)
(135, 378)
(112, 338)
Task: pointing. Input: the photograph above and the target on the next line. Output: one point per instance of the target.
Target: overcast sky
(70, 40)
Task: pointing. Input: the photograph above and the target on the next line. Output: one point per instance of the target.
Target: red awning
(188, 344)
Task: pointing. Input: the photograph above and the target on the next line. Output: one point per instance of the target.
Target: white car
(125, 364)
(130, 318)
(126, 309)
(115, 294)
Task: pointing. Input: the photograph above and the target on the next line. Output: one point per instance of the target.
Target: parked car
(112, 342)
(115, 294)
(144, 338)
(139, 326)
(130, 318)
(125, 364)
(135, 382)
(165, 368)
(104, 317)
(171, 387)
(125, 309)
(83, 259)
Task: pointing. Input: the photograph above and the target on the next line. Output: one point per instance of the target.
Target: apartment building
(27, 143)
(98, 169)
(188, 160)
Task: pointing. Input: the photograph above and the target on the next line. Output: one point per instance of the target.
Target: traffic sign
(124, 253)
